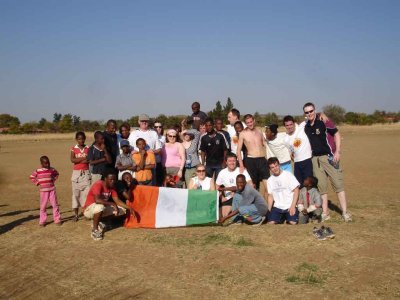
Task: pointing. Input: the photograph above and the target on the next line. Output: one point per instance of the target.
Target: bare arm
(212, 185)
(336, 155)
(239, 152)
(77, 160)
(292, 209)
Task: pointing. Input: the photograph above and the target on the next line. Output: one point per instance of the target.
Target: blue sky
(115, 59)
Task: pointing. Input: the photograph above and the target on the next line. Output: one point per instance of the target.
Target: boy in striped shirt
(44, 177)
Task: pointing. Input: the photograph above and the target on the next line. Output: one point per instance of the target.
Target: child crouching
(309, 204)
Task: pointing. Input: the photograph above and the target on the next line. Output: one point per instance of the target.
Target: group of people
(200, 154)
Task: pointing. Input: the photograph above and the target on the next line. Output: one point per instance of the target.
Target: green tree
(75, 121)
(42, 122)
(57, 118)
(217, 112)
(258, 119)
(228, 106)
(7, 120)
(66, 123)
(335, 112)
(271, 118)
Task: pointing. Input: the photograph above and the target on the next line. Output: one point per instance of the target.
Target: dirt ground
(207, 262)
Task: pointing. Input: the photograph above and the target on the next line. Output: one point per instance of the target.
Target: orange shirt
(144, 175)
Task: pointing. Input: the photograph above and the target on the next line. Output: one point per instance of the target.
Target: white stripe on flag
(171, 207)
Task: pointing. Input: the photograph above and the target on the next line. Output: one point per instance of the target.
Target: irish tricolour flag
(159, 207)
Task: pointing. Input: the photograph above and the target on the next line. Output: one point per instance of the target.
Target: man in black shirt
(325, 159)
(213, 150)
(198, 116)
(111, 141)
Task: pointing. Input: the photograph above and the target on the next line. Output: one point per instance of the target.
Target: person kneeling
(310, 202)
(98, 205)
(283, 193)
(248, 205)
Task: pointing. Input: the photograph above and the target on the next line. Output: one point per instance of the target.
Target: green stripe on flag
(201, 207)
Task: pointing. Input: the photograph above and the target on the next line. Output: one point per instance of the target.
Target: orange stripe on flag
(144, 205)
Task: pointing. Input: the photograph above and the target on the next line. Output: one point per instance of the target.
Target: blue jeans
(211, 170)
(247, 212)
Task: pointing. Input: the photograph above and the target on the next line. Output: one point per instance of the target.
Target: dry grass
(204, 262)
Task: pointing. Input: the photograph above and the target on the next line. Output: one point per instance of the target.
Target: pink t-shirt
(170, 156)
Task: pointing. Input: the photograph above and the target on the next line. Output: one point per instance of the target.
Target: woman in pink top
(173, 155)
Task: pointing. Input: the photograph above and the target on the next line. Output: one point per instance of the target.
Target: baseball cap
(143, 117)
(124, 143)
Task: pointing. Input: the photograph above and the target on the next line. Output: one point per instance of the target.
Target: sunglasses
(309, 112)
(157, 126)
(172, 136)
(200, 171)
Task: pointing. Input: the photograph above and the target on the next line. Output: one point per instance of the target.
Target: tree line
(71, 123)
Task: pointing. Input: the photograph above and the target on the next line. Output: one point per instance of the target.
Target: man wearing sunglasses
(326, 158)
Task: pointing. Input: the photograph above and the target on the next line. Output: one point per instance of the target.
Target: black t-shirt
(317, 135)
(111, 142)
(214, 146)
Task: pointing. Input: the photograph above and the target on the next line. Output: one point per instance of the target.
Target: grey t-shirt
(252, 196)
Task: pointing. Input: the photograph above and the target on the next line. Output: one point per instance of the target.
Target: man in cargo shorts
(102, 202)
(325, 144)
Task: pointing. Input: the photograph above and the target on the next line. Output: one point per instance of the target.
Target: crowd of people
(200, 154)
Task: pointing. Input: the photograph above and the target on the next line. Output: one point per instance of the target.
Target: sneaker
(347, 217)
(325, 217)
(76, 218)
(260, 223)
(319, 234)
(42, 224)
(58, 223)
(97, 235)
(102, 227)
(328, 232)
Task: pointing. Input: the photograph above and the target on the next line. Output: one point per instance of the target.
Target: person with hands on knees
(145, 161)
(310, 202)
(102, 203)
(283, 193)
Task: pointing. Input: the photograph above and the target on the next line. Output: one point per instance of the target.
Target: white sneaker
(347, 217)
(325, 217)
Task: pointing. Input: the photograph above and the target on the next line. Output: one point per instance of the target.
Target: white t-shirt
(204, 185)
(277, 148)
(228, 179)
(281, 188)
(150, 136)
(234, 138)
(299, 144)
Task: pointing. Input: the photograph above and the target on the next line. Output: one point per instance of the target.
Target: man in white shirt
(233, 117)
(149, 135)
(226, 183)
(283, 193)
(277, 147)
(298, 144)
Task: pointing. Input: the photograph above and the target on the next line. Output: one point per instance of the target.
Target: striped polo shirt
(44, 178)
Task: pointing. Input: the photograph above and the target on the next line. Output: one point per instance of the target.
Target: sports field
(208, 262)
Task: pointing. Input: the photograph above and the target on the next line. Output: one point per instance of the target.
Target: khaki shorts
(323, 170)
(107, 210)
